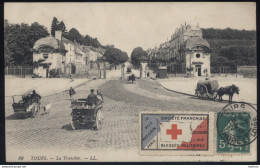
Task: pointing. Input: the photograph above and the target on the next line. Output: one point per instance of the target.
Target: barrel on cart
(207, 89)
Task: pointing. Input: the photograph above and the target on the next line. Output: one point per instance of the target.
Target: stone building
(186, 52)
(60, 54)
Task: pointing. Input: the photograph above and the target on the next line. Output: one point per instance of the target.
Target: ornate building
(186, 52)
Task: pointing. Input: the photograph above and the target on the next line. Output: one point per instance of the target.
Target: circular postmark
(237, 124)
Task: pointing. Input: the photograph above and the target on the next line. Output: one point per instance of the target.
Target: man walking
(71, 92)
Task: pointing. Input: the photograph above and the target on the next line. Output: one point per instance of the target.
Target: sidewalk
(43, 86)
(247, 86)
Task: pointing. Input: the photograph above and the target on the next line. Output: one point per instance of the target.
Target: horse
(229, 90)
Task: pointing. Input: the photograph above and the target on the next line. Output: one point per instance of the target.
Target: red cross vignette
(174, 131)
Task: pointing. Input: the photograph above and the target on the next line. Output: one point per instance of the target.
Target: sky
(129, 25)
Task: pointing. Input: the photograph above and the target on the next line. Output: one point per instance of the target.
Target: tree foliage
(89, 41)
(74, 35)
(56, 25)
(231, 47)
(240, 55)
(229, 33)
(137, 54)
(115, 56)
(19, 41)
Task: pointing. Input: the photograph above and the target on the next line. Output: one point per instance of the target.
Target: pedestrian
(71, 92)
(148, 74)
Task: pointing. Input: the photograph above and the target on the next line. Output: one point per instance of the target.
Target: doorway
(47, 72)
(198, 69)
(73, 69)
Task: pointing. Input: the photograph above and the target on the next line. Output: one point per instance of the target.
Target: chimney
(58, 35)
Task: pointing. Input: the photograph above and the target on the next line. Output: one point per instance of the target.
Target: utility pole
(105, 70)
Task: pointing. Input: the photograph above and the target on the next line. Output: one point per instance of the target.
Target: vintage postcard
(130, 82)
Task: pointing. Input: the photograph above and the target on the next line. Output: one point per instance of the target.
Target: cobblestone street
(122, 104)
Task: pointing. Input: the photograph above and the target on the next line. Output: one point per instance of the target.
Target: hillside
(231, 47)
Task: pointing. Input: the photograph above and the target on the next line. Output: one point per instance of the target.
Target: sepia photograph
(91, 82)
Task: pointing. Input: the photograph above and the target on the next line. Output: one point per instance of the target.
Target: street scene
(70, 96)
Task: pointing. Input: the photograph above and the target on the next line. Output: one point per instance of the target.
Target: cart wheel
(74, 124)
(98, 123)
(204, 95)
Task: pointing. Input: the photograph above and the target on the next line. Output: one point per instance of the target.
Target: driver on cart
(92, 98)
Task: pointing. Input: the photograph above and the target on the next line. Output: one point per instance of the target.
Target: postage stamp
(175, 132)
(236, 128)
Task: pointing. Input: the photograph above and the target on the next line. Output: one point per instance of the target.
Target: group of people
(92, 97)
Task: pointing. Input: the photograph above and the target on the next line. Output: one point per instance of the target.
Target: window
(45, 55)
(197, 55)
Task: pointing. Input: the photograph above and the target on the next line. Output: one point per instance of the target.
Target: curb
(177, 91)
(224, 101)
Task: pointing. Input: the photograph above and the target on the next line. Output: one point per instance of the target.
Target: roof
(196, 41)
(48, 41)
(78, 49)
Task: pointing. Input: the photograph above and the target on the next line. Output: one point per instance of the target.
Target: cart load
(207, 89)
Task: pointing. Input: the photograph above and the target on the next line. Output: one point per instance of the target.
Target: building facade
(62, 55)
(186, 52)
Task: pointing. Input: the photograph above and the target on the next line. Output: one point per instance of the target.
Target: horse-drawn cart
(207, 89)
(29, 105)
(131, 79)
(86, 113)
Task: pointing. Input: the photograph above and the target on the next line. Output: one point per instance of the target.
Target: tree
(115, 56)
(61, 27)
(89, 41)
(19, 39)
(7, 55)
(136, 54)
(74, 35)
(54, 25)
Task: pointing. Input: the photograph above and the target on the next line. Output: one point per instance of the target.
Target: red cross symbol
(174, 131)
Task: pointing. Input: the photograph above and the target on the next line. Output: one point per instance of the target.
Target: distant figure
(71, 92)
(148, 74)
(92, 98)
(71, 79)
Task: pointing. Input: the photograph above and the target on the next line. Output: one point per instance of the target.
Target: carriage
(131, 79)
(86, 113)
(26, 105)
(207, 89)
(128, 70)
